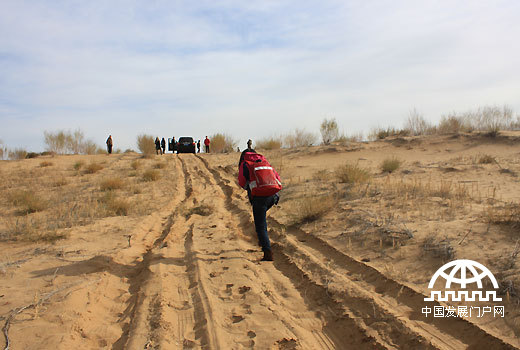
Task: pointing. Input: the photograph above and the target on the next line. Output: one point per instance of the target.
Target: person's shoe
(268, 255)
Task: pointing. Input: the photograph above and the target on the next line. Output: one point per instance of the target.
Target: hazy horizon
(249, 70)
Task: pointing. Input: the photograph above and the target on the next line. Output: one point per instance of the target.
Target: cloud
(197, 68)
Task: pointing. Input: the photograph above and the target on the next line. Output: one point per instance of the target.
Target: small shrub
(417, 125)
(17, 154)
(93, 168)
(269, 143)
(329, 130)
(311, 208)
(27, 200)
(129, 150)
(352, 173)
(151, 175)
(111, 184)
(486, 159)
(345, 139)
(46, 164)
(222, 143)
(507, 215)
(60, 182)
(146, 144)
(136, 164)
(300, 138)
(390, 165)
(32, 155)
(78, 165)
(116, 205)
(439, 248)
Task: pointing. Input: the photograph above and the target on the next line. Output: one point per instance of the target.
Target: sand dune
(174, 263)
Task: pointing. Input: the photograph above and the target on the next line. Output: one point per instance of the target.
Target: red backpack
(264, 181)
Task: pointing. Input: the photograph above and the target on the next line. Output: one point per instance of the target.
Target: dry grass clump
(390, 165)
(151, 175)
(311, 207)
(27, 201)
(269, 143)
(93, 168)
(136, 164)
(438, 248)
(26, 229)
(352, 174)
(381, 133)
(486, 159)
(115, 205)
(78, 165)
(62, 181)
(507, 215)
(202, 210)
(345, 139)
(300, 138)
(46, 163)
(110, 184)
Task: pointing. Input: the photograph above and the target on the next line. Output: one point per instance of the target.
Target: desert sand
(166, 256)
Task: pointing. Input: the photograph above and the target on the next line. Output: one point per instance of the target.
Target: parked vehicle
(186, 145)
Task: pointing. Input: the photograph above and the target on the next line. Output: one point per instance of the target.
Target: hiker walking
(163, 145)
(157, 146)
(249, 149)
(206, 143)
(262, 183)
(109, 144)
(198, 146)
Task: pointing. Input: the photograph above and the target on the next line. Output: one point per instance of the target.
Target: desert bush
(4, 151)
(55, 141)
(27, 201)
(146, 144)
(381, 133)
(329, 130)
(78, 165)
(439, 248)
(31, 155)
(17, 154)
(46, 163)
(486, 159)
(269, 143)
(300, 138)
(93, 168)
(151, 175)
(417, 125)
(390, 165)
(115, 205)
(454, 124)
(89, 147)
(345, 139)
(129, 150)
(352, 174)
(202, 210)
(62, 181)
(222, 143)
(113, 183)
(136, 164)
(62, 142)
(492, 119)
(311, 208)
(506, 215)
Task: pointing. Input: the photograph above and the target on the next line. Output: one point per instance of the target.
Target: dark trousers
(207, 149)
(260, 207)
(109, 149)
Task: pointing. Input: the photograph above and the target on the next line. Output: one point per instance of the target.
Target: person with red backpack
(262, 183)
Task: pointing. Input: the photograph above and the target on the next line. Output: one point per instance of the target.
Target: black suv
(185, 145)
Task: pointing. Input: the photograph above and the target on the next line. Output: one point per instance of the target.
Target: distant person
(262, 183)
(174, 144)
(198, 146)
(157, 146)
(163, 145)
(109, 144)
(206, 143)
(249, 149)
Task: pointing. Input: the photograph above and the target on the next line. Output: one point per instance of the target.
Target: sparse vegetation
(93, 168)
(202, 210)
(17, 154)
(151, 175)
(113, 183)
(390, 165)
(160, 165)
(116, 205)
(352, 174)
(62, 142)
(222, 143)
(146, 145)
(439, 248)
(46, 163)
(486, 159)
(417, 125)
(269, 143)
(311, 208)
(506, 215)
(300, 138)
(27, 201)
(78, 165)
(136, 164)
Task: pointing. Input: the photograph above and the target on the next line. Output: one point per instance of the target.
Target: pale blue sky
(249, 69)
